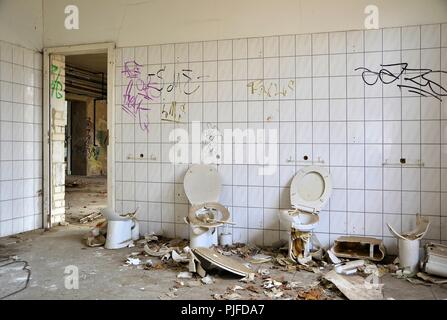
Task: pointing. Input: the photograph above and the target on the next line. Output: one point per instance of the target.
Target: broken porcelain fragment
(271, 283)
(236, 287)
(133, 261)
(207, 280)
(249, 278)
(179, 258)
(184, 275)
(349, 267)
(260, 258)
(263, 272)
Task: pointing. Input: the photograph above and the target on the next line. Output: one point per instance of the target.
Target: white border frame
(108, 48)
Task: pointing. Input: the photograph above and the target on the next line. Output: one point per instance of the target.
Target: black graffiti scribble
(419, 84)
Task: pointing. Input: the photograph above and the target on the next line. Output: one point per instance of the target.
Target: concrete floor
(104, 275)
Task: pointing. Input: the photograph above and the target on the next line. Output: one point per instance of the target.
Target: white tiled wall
(330, 115)
(20, 139)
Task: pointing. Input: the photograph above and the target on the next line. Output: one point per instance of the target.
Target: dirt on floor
(54, 256)
(84, 196)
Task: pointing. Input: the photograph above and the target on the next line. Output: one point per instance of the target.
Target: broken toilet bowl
(202, 187)
(435, 260)
(302, 221)
(409, 244)
(309, 192)
(121, 231)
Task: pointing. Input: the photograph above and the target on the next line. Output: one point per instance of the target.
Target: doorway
(86, 137)
(77, 161)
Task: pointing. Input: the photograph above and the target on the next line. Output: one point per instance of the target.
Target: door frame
(109, 48)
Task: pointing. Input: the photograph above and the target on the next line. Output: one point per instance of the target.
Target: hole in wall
(306, 157)
(403, 160)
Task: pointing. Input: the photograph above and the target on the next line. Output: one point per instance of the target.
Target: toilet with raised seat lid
(309, 192)
(202, 187)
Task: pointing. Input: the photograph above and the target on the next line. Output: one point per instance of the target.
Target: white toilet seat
(202, 184)
(309, 192)
(202, 187)
(310, 189)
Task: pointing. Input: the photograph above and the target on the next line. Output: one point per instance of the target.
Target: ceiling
(91, 62)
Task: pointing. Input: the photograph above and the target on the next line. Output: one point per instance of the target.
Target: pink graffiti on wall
(138, 91)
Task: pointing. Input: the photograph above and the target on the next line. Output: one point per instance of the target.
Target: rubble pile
(269, 273)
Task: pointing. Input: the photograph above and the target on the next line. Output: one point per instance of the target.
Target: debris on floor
(260, 258)
(312, 294)
(431, 279)
(214, 259)
(268, 273)
(249, 278)
(355, 287)
(271, 283)
(184, 275)
(90, 217)
(73, 184)
(359, 248)
(227, 296)
(133, 261)
(349, 267)
(263, 271)
(435, 261)
(207, 280)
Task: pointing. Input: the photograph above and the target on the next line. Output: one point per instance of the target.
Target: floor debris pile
(90, 217)
(269, 273)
